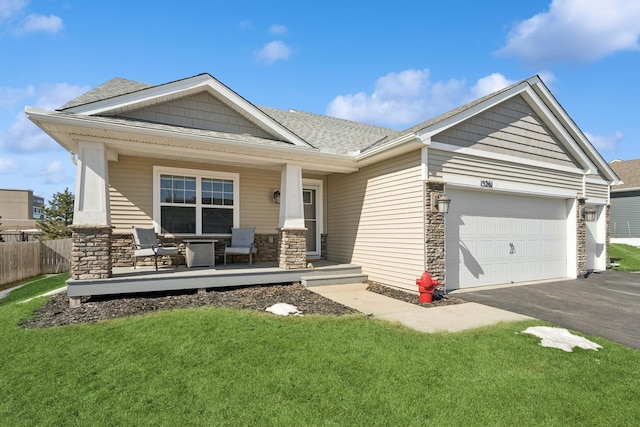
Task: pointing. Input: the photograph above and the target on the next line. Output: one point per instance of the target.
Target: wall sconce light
(440, 203)
(589, 214)
(276, 197)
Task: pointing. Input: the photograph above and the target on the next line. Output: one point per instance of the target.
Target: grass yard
(629, 256)
(214, 366)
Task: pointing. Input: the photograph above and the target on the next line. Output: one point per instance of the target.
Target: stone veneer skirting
(90, 252)
(293, 248)
(434, 234)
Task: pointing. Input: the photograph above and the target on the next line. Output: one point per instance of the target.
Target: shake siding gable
(131, 193)
(376, 220)
(200, 111)
(511, 128)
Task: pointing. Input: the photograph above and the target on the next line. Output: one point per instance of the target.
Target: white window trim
(198, 174)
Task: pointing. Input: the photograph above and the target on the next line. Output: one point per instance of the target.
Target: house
(19, 209)
(624, 225)
(193, 158)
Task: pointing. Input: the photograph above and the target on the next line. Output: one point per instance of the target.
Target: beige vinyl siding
(376, 220)
(596, 189)
(131, 192)
(446, 163)
(200, 111)
(510, 128)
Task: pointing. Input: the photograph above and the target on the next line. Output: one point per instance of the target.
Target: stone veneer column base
(292, 249)
(434, 233)
(581, 237)
(91, 252)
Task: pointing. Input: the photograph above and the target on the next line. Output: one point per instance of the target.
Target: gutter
(389, 149)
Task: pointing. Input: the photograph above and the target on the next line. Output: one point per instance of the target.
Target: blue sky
(388, 63)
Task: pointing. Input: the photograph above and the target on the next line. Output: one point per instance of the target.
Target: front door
(311, 198)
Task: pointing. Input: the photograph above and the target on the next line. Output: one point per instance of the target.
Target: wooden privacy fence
(21, 260)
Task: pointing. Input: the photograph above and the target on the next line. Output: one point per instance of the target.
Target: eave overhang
(174, 142)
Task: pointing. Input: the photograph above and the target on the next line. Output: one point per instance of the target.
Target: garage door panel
(500, 238)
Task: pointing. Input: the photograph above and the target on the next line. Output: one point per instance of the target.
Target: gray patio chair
(242, 243)
(146, 244)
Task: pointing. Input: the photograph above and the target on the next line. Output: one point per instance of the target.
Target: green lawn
(629, 256)
(214, 366)
(37, 286)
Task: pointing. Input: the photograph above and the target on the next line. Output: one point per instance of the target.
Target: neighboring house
(624, 225)
(38, 204)
(193, 158)
(19, 209)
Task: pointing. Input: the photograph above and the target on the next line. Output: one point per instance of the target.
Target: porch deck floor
(147, 279)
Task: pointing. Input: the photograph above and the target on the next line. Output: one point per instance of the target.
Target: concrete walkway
(451, 318)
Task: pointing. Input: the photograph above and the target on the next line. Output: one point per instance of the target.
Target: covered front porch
(125, 280)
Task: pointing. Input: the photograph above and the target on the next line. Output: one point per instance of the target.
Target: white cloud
(48, 24)
(277, 29)
(409, 97)
(605, 142)
(11, 8)
(12, 13)
(23, 135)
(11, 96)
(54, 172)
(246, 24)
(273, 51)
(490, 84)
(8, 165)
(575, 31)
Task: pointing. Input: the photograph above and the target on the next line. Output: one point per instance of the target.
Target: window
(195, 202)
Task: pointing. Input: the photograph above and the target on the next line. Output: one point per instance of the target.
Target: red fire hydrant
(426, 286)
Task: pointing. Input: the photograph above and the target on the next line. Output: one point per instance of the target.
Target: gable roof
(109, 103)
(329, 134)
(119, 95)
(629, 173)
(542, 102)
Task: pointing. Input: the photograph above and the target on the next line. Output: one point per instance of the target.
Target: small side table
(200, 253)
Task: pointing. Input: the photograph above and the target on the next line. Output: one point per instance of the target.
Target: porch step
(333, 279)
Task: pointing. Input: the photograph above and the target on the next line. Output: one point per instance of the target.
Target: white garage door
(496, 238)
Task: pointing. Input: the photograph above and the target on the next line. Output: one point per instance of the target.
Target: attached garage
(495, 238)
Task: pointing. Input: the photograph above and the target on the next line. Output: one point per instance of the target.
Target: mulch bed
(56, 311)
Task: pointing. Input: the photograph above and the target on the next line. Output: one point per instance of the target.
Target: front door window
(310, 219)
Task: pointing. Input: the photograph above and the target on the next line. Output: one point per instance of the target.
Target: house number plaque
(485, 183)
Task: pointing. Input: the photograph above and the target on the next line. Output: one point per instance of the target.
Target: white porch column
(292, 249)
(91, 205)
(91, 247)
(291, 206)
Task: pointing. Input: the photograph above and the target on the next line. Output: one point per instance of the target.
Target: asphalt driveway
(605, 304)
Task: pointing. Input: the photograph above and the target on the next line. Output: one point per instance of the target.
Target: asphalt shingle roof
(111, 89)
(324, 132)
(330, 133)
(629, 173)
